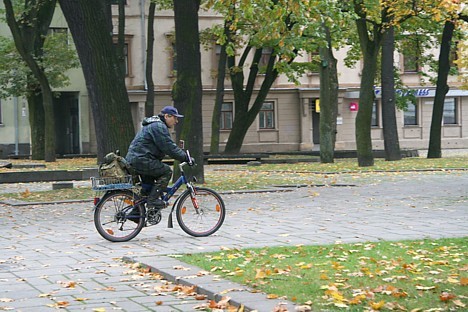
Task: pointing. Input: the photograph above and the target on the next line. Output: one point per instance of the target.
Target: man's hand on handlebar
(191, 161)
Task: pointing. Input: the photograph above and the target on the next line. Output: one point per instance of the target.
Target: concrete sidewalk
(53, 257)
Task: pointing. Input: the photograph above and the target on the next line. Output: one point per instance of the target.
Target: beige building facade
(71, 108)
(289, 120)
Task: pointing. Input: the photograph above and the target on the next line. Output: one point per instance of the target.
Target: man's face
(171, 120)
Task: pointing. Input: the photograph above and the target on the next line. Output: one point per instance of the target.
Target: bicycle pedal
(153, 217)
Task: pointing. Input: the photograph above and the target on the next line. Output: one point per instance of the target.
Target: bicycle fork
(194, 202)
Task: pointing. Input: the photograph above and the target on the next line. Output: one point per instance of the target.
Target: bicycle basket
(111, 183)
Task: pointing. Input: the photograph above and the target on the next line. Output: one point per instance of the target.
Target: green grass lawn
(427, 275)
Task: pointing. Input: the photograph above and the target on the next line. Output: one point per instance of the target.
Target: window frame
(415, 116)
(223, 119)
(170, 37)
(262, 121)
(455, 112)
(415, 65)
(127, 54)
(375, 118)
(217, 52)
(455, 54)
(264, 59)
(314, 60)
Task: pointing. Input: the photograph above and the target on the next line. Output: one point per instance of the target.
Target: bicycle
(200, 211)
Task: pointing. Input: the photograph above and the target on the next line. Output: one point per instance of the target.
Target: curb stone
(210, 285)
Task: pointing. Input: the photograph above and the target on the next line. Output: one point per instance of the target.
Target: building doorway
(67, 124)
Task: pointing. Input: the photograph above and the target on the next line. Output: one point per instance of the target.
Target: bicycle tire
(205, 220)
(110, 217)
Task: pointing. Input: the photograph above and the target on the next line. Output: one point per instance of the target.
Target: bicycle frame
(171, 190)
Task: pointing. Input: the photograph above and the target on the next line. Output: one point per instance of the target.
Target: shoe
(156, 204)
(134, 215)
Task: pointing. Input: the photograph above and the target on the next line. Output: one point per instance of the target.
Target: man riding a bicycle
(150, 145)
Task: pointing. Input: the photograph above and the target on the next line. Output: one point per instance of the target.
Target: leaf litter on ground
(398, 276)
(266, 176)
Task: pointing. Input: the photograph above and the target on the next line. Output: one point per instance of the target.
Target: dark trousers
(156, 173)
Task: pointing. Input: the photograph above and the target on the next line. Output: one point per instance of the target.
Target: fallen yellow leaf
(458, 303)
(260, 274)
(377, 305)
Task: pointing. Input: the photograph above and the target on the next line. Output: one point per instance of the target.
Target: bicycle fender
(170, 224)
(99, 199)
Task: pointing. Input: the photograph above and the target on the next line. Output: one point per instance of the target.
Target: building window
(411, 49)
(170, 37)
(217, 50)
(226, 116)
(125, 60)
(126, 64)
(375, 114)
(454, 55)
(267, 116)
(450, 111)
(173, 58)
(126, 54)
(264, 59)
(314, 59)
(411, 114)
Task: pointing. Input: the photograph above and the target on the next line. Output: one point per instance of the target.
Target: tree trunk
(28, 41)
(435, 149)
(149, 103)
(215, 120)
(328, 101)
(370, 49)
(187, 90)
(244, 117)
(104, 80)
(37, 124)
(390, 132)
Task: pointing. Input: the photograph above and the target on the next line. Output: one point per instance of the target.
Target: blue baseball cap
(171, 110)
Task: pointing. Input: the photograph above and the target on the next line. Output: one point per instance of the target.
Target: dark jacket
(153, 142)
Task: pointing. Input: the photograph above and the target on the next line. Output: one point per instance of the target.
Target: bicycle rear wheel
(111, 216)
(201, 215)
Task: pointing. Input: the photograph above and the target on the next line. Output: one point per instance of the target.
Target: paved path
(51, 256)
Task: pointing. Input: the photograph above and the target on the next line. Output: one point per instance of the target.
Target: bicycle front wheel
(116, 217)
(200, 215)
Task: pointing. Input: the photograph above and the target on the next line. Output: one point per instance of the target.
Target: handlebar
(189, 162)
(190, 159)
